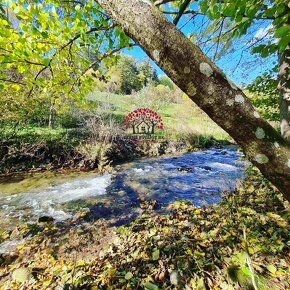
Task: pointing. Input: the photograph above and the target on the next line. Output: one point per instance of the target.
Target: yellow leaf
(251, 188)
(198, 254)
(47, 282)
(197, 211)
(251, 251)
(282, 224)
(80, 263)
(189, 251)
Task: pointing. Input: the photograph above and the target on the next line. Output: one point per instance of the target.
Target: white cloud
(264, 32)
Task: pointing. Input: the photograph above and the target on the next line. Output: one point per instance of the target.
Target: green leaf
(251, 11)
(282, 31)
(16, 10)
(150, 286)
(283, 43)
(239, 18)
(203, 6)
(272, 269)
(246, 271)
(258, 48)
(155, 254)
(46, 61)
(44, 34)
(128, 276)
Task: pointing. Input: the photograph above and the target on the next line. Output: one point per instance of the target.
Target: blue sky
(240, 65)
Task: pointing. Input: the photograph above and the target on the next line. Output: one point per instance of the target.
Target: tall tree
(129, 74)
(224, 27)
(148, 72)
(206, 85)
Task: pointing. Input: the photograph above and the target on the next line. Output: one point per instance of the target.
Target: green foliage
(148, 73)
(46, 47)
(243, 14)
(265, 96)
(166, 81)
(155, 98)
(125, 75)
(57, 51)
(131, 79)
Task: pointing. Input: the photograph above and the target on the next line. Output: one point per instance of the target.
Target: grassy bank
(181, 118)
(241, 243)
(91, 144)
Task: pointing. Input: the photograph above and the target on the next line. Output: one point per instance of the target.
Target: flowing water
(198, 177)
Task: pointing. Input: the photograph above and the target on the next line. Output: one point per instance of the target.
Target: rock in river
(45, 219)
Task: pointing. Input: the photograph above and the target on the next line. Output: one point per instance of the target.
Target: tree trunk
(51, 115)
(206, 85)
(284, 90)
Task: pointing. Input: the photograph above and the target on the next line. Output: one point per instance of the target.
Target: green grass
(33, 134)
(180, 119)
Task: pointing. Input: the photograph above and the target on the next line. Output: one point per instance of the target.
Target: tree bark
(206, 85)
(284, 90)
(51, 115)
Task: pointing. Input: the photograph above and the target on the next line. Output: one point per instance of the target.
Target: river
(198, 177)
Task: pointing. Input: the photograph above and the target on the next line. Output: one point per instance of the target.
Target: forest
(144, 144)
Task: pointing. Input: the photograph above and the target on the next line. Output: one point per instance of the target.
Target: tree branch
(98, 61)
(69, 43)
(161, 2)
(222, 15)
(13, 82)
(94, 29)
(183, 7)
(218, 39)
(185, 12)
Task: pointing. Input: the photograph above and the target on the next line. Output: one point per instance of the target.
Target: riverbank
(71, 154)
(240, 241)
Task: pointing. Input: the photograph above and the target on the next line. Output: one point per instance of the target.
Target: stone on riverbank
(22, 275)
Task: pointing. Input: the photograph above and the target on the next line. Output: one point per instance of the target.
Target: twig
(161, 2)
(74, 268)
(249, 262)
(13, 82)
(48, 66)
(192, 17)
(97, 61)
(219, 39)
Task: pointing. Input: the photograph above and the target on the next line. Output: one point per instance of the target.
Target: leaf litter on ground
(240, 243)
